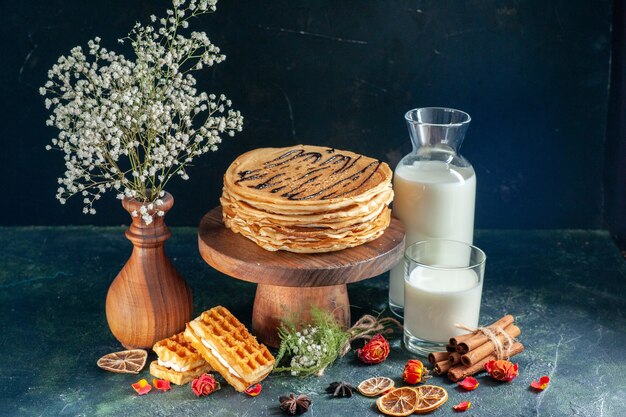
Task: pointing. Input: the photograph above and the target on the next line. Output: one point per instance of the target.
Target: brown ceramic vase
(148, 300)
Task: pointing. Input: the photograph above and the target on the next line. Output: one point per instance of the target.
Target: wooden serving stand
(290, 283)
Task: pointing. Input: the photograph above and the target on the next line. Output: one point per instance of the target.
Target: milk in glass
(437, 299)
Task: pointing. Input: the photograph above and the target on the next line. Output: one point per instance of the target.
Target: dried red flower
(204, 385)
(462, 406)
(253, 390)
(141, 387)
(413, 371)
(541, 384)
(502, 370)
(469, 384)
(375, 351)
(161, 384)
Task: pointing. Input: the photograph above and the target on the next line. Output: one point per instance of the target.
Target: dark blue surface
(533, 75)
(564, 287)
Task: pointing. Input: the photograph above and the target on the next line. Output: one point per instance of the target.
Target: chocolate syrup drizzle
(296, 190)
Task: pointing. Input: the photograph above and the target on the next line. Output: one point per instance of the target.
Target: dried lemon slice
(375, 386)
(399, 402)
(127, 361)
(429, 398)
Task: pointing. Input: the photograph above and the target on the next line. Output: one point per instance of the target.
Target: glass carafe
(434, 186)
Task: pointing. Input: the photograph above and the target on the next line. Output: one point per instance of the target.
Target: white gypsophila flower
(147, 218)
(131, 125)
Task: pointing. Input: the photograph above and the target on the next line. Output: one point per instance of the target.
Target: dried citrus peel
(142, 387)
(398, 402)
(126, 361)
(469, 384)
(253, 390)
(161, 384)
(406, 400)
(462, 406)
(541, 384)
(429, 398)
(373, 387)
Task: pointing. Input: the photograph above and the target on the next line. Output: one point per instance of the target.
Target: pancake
(335, 219)
(274, 240)
(306, 176)
(307, 199)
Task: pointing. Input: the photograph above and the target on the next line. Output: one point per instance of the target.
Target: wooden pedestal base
(290, 283)
(272, 303)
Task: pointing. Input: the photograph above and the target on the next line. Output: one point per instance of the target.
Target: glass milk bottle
(434, 186)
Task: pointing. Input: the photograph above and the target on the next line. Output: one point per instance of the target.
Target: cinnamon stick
(442, 367)
(434, 357)
(454, 358)
(488, 348)
(478, 339)
(454, 341)
(461, 371)
(450, 348)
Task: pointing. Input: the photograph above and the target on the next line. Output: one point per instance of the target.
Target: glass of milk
(443, 285)
(434, 186)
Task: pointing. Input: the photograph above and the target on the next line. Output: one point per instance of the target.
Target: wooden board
(234, 255)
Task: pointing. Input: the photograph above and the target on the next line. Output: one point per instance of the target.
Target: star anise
(340, 389)
(292, 404)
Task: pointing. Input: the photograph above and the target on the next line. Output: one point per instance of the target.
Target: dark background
(534, 75)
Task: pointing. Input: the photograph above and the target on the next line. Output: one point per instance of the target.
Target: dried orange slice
(429, 398)
(373, 387)
(398, 402)
(124, 362)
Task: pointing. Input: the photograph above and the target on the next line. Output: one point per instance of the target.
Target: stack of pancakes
(307, 199)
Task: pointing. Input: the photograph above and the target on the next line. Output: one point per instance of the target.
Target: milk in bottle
(434, 186)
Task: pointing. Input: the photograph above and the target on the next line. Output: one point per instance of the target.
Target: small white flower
(134, 213)
(97, 96)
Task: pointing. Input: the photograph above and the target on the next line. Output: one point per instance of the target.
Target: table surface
(566, 289)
